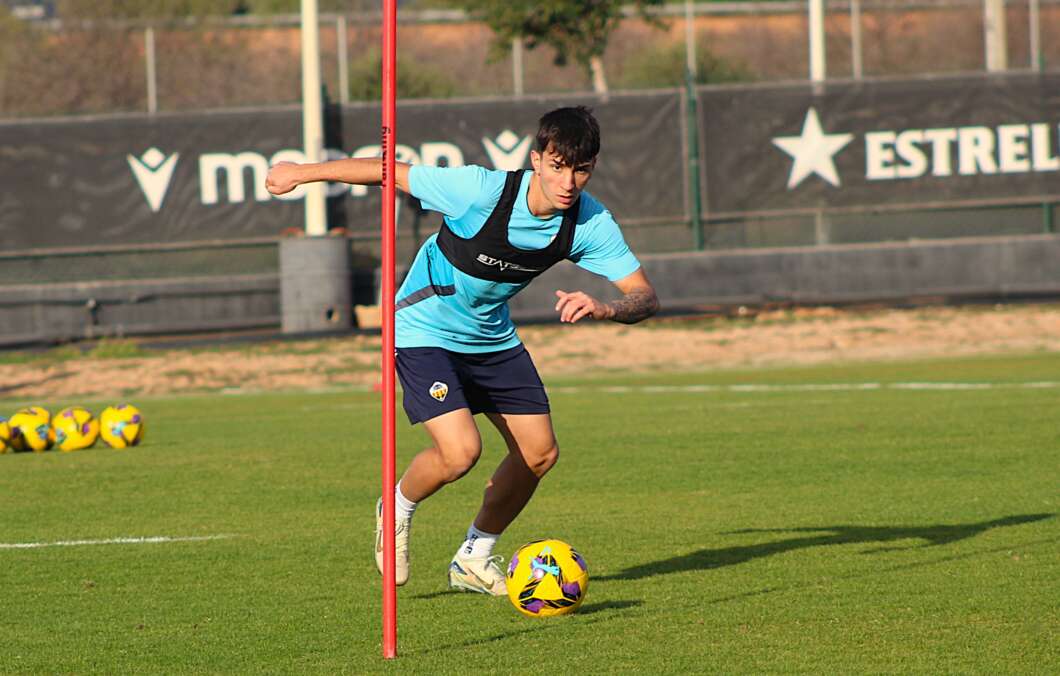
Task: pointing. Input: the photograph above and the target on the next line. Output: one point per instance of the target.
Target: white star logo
(812, 151)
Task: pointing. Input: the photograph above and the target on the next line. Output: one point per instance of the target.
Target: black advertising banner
(139, 179)
(142, 179)
(640, 173)
(925, 142)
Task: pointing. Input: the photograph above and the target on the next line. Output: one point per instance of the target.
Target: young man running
(457, 350)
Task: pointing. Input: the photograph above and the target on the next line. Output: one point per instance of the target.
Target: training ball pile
(547, 578)
(72, 429)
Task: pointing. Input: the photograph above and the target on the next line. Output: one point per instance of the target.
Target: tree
(575, 29)
(414, 80)
(12, 37)
(664, 66)
(143, 9)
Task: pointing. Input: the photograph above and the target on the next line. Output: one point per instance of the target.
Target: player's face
(560, 183)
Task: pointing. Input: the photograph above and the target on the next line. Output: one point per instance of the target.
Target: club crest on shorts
(439, 391)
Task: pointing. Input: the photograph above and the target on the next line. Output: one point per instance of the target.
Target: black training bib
(489, 255)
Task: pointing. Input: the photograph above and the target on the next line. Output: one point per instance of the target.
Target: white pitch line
(158, 539)
(823, 387)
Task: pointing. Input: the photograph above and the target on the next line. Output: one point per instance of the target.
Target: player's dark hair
(573, 133)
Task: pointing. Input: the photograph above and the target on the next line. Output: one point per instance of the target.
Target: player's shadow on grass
(824, 536)
(606, 606)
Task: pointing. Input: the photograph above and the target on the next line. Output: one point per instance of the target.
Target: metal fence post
(693, 127)
(994, 35)
(1035, 33)
(344, 61)
(517, 66)
(818, 69)
(690, 38)
(693, 161)
(855, 39)
(150, 67)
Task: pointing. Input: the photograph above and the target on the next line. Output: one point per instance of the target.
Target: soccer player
(457, 350)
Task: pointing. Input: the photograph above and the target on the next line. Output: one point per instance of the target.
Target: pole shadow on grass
(824, 536)
(539, 625)
(480, 641)
(587, 609)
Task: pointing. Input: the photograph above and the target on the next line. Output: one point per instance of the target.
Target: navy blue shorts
(437, 381)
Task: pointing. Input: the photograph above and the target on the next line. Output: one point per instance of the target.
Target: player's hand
(282, 178)
(578, 305)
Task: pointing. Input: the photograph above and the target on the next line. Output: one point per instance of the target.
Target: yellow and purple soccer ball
(121, 426)
(31, 430)
(547, 578)
(75, 429)
(5, 436)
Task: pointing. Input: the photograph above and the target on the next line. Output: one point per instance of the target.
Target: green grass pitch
(728, 527)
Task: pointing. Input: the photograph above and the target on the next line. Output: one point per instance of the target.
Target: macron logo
(153, 172)
(508, 152)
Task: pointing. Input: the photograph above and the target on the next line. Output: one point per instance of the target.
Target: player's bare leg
(456, 449)
(457, 446)
(532, 451)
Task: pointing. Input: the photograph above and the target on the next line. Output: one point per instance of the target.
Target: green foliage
(115, 348)
(106, 348)
(144, 9)
(665, 67)
(12, 32)
(414, 80)
(574, 29)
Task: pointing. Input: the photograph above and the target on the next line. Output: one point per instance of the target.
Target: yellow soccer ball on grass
(75, 429)
(31, 430)
(121, 426)
(547, 578)
(5, 436)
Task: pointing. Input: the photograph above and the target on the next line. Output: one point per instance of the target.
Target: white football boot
(401, 544)
(482, 575)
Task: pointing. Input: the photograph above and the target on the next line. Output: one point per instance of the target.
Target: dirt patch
(782, 337)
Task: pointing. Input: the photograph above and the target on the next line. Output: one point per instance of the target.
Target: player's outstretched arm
(637, 303)
(286, 176)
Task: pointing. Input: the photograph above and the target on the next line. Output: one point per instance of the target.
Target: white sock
(478, 544)
(403, 507)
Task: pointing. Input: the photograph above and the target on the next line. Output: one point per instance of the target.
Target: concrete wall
(977, 267)
(61, 312)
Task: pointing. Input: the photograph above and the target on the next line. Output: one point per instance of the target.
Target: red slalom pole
(388, 245)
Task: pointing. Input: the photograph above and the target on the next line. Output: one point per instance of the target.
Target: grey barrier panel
(316, 294)
(881, 144)
(994, 267)
(86, 310)
(137, 179)
(989, 267)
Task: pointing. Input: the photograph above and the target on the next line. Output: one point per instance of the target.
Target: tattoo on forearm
(635, 306)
